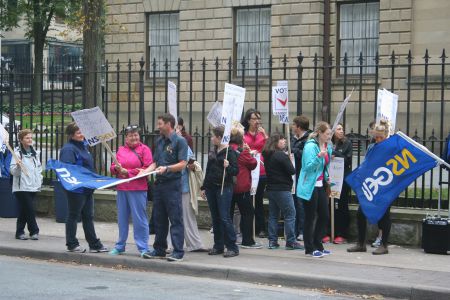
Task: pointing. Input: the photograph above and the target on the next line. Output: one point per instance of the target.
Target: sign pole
(332, 217)
(105, 144)
(17, 159)
(223, 177)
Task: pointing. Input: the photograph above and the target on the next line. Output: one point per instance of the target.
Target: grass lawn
(46, 120)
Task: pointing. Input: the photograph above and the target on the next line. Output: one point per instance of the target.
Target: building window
(358, 33)
(163, 42)
(252, 38)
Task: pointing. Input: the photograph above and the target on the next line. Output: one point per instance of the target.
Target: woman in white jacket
(27, 180)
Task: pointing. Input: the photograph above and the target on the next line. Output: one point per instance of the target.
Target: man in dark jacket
(300, 128)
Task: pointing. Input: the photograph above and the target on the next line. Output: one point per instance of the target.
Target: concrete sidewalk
(403, 273)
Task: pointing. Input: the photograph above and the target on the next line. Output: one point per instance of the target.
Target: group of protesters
(226, 182)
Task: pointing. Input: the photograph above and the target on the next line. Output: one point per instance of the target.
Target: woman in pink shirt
(255, 137)
(132, 196)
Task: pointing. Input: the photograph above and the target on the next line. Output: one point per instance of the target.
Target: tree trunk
(39, 42)
(92, 44)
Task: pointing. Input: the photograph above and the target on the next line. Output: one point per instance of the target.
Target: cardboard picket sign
(172, 99)
(336, 173)
(94, 125)
(280, 101)
(95, 128)
(387, 104)
(233, 105)
(255, 175)
(215, 114)
(341, 111)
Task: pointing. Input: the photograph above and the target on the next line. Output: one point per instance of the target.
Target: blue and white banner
(73, 177)
(388, 169)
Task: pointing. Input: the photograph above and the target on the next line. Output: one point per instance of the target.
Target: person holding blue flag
(81, 200)
(380, 133)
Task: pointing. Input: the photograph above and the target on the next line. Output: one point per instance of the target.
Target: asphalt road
(22, 278)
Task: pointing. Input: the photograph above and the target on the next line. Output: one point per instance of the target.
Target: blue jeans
(167, 206)
(132, 203)
(219, 205)
(281, 201)
(81, 204)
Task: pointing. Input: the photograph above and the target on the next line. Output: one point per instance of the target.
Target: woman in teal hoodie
(311, 190)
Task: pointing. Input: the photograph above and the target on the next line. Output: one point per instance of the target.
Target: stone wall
(406, 223)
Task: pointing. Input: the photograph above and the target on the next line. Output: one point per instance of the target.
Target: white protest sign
(280, 101)
(3, 137)
(94, 126)
(341, 111)
(336, 172)
(233, 105)
(172, 99)
(255, 175)
(215, 114)
(387, 104)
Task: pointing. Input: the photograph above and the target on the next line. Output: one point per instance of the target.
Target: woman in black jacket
(342, 147)
(220, 202)
(279, 170)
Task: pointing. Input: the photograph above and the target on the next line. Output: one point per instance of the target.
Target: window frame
(340, 56)
(237, 61)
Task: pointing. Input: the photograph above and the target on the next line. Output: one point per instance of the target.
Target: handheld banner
(336, 171)
(388, 168)
(255, 175)
(94, 126)
(387, 104)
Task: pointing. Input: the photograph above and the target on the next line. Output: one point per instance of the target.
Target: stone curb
(257, 276)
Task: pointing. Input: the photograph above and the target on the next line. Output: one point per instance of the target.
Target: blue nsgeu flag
(388, 169)
(73, 177)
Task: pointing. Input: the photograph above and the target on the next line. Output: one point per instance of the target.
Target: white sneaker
(377, 243)
(300, 237)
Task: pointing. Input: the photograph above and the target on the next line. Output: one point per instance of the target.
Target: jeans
(316, 219)
(299, 215)
(260, 222)
(81, 204)
(281, 201)
(132, 203)
(219, 206)
(27, 216)
(245, 205)
(167, 206)
(384, 224)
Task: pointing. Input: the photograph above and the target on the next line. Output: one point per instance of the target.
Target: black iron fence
(135, 93)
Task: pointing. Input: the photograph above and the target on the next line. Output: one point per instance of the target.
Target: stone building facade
(226, 29)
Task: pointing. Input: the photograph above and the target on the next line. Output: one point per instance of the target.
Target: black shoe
(273, 245)
(214, 251)
(230, 253)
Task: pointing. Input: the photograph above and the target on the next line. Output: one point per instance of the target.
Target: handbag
(149, 183)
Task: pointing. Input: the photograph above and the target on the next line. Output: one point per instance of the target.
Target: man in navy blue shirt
(168, 161)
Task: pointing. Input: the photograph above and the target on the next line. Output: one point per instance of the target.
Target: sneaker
(381, 250)
(230, 253)
(254, 246)
(376, 243)
(214, 251)
(357, 248)
(114, 251)
(34, 237)
(22, 237)
(326, 240)
(315, 254)
(300, 237)
(102, 249)
(273, 245)
(174, 257)
(326, 252)
(154, 254)
(339, 240)
(294, 246)
(78, 249)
